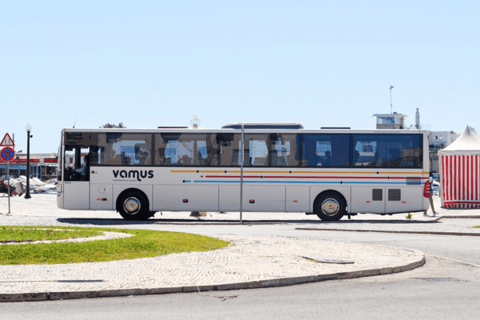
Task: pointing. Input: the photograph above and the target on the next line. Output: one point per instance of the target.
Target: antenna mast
(75, 122)
(391, 104)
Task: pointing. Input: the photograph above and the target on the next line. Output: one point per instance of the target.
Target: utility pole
(241, 173)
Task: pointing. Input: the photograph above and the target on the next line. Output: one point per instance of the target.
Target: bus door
(76, 177)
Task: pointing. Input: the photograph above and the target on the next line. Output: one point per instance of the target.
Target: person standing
(430, 198)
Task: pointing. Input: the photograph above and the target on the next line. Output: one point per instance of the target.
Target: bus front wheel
(330, 206)
(133, 205)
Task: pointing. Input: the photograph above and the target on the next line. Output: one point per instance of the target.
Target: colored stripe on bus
(301, 182)
(313, 177)
(298, 172)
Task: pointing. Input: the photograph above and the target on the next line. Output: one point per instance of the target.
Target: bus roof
(268, 126)
(276, 130)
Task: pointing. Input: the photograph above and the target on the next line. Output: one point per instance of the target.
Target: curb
(223, 223)
(419, 260)
(458, 217)
(394, 231)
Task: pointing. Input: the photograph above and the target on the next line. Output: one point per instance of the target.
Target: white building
(42, 165)
(439, 140)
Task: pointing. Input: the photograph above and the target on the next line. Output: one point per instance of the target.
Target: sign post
(7, 154)
(8, 181)
(241, 173)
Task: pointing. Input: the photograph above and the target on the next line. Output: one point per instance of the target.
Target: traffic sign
(7, 141)
(7, 154)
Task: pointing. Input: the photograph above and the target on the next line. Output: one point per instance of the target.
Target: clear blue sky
(151, 63)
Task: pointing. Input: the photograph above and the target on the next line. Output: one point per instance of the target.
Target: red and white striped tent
(460, 171)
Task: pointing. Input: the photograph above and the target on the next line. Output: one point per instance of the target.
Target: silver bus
(285, 168)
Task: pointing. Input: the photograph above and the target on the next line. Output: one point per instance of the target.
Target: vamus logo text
(135, 174)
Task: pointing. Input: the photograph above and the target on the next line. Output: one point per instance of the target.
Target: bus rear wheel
(133, 205)
(330, 206)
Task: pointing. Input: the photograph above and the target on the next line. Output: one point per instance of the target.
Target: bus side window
(259, 153)
(142, 156)
(356, 156)
(340, 150)
(237, 158)
(210, 152)
(376, 161)
(280, 149)
(115, 159)
(312, 157)
(388, 150)
(171, 152)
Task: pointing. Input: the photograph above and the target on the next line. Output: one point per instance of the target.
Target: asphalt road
(446, 287)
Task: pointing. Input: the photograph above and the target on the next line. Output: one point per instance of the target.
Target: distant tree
(110, 125)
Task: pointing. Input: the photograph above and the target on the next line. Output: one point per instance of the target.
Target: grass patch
(144, 244)
(14, 234)
(477, 227)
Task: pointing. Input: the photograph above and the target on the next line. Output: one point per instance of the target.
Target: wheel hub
(330, 207)
(132, 205)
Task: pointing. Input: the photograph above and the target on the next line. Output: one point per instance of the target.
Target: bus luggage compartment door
(76, 195)
(185, 198)
(368, 200)
(404, 199)
(101, 197)
(255, 198)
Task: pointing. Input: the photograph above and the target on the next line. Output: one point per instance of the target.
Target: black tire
(133, 205)
(330, 206)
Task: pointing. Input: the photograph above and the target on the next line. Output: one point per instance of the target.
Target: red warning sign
(7, 141)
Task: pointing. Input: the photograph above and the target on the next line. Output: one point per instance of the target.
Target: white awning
(467, 144)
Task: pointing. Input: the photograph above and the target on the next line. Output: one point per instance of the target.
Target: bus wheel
(133, 205)
(330, 206)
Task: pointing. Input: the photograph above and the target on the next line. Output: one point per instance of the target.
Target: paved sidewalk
(252, 262)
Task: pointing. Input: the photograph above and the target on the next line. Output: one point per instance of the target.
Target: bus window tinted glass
(256, 150)
(127, 149)
(388, 150)
(283, 149)
(325, 150)
(262, 150)
(186, 149)
(229, 152)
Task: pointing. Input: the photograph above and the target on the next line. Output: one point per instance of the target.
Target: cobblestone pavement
(268, 260)
(248, 259)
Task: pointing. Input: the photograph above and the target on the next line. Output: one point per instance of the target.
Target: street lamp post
(27, 192)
